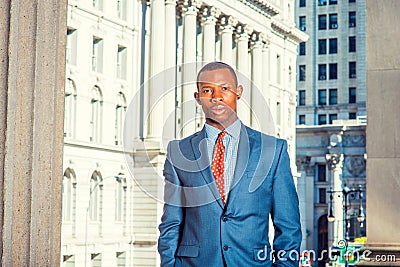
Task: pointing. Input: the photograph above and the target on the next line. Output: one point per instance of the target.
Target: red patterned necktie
(218, 165)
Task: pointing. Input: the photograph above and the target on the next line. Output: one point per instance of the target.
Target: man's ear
(197, 97)
(239, 91)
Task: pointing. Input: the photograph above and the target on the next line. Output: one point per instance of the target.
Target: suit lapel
(199, 147)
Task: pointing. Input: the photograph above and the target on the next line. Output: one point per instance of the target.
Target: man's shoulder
(265, 137)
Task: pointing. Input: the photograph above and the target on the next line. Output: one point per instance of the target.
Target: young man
(222, 183)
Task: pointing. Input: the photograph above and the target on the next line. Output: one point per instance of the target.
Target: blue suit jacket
(198, 230)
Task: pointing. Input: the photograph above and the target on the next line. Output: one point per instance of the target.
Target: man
(222, 183)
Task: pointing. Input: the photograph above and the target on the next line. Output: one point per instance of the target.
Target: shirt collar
(233, 130)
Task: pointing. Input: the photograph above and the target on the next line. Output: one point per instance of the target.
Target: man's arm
(170, 227)
(285, 212)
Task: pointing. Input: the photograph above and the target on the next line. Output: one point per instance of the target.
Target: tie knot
(221, 135)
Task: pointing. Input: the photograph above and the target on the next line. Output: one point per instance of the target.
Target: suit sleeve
(285, 212)
(171, 221)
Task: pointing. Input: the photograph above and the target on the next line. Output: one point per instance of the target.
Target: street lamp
(93, 189)
(348, 195)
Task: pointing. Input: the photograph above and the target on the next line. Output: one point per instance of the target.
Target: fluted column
(156, 84)
(256, 76)
(242, 35)
(32, 78)
(209, 18)
(227, 25)
(170, 75)
(189, 72)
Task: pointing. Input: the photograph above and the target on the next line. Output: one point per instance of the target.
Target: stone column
(243, 34)
(170, 74)
(383, 138)
(156, 84)
(303, 163)
(227, 24)
(335, 166)
(257, 106)
(189, 70)
(32, 78)
(210, 15)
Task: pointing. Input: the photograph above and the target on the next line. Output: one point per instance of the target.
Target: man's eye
(225, 88)
(206, 91)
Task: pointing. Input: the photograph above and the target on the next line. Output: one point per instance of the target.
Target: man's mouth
(218, 109)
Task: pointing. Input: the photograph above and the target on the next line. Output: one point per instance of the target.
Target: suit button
(226, 247)
(224, 218)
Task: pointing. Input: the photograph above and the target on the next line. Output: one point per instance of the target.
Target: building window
(120, 110)
(69, 109)
(352, 19)
(69, 181)
(95, 196)
(68, 261)
(352, 1)
(352, 70)
(332, 117)
(333, 97)
(322, 195)
(321, 71)
(333, 21)
(321, 119)
(302, 23)
(302, 119)
(97, 4)
(322, 22)
(302, 3)
(95, 259)
(333, 46)
(321, 171)
(333, 2)
(278, 68)
(322, 46)
(302, 97)
(278, 113)
(290, 74)
(302, 72)
(121, 62)
(352, 95)
(121, 9)
(121, 259)
(332, 71)
(352, 116)
(322, 2)
(352, 44)
(71, 47)
(96, 114)
(322, 97)
(97, 54)
(120, 194)
(302, 49)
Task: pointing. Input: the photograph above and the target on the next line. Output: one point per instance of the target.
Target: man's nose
(216, 96)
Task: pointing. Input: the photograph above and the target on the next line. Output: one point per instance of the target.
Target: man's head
(217, 93)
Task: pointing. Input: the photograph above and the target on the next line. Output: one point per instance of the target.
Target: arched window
(70, 108)
(120, 110)
(96, 114)
(67, 194)
(94, 196)
(120, 197)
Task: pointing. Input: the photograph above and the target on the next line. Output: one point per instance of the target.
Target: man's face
(218, 94)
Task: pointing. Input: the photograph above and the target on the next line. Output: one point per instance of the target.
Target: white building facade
(112, 172)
